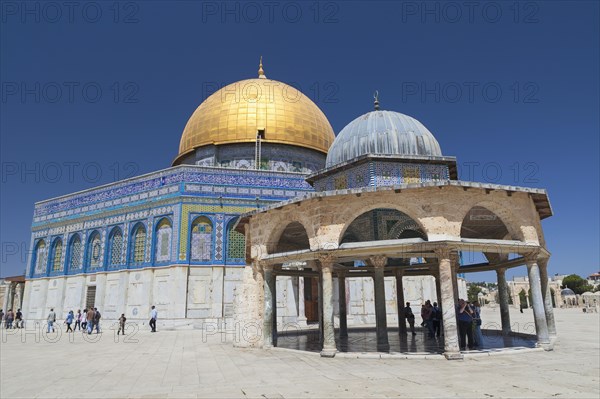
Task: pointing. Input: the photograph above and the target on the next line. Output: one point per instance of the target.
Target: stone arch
(506, 216)
(280, 227)
(293, 237)
(347, 218)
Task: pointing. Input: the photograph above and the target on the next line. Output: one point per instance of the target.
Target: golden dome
(236, 112)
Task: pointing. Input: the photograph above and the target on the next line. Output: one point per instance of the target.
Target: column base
(383, 347)
(547, 346)
(453, 356)
(302, 322)
(328, 352)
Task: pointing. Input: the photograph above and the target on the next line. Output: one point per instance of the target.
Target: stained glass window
(163, 240)
(75, 253)
(139, 245)
(116, 247)
(202, 239)
(40, 257)
(236, 244)
(57, 255)
(94, 251)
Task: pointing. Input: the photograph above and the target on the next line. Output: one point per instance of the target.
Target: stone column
(438, 290)
(445, 272)
(379, 263)
(342, 302)
(301, 309)
(7, 294)
(329, 348)
(503, 301)
(400, 301)
(455, 265)
(537, 302)
(270, 327)
(547, 295)
(18, 296)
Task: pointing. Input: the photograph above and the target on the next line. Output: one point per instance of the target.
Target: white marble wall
(210, 295)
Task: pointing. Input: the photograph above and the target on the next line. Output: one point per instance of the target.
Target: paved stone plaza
(178, 364)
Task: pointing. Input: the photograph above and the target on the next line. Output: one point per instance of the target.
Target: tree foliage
(523, 299)
(472, 292)
(577, 284)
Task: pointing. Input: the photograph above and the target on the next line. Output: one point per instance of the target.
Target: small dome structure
(566, 292)
(382, 133)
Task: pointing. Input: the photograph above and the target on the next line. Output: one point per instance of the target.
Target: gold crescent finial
(261, 72)
(376, 97)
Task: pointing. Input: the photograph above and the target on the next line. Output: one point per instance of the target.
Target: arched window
(138, 247)
(202, 239)
(75, 253)
(40, 258)
(115, 247)
(94, 251)
(56, 264)
(162, 244)
(236, 244)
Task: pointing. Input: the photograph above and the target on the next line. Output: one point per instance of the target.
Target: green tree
(472, 292)
(577, 284)
(523, 299)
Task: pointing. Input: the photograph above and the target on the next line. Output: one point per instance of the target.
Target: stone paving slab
(187, 364)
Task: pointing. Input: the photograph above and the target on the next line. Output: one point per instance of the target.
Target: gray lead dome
(382, 133)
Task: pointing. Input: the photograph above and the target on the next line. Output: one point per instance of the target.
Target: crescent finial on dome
(376, 97)
(261, 72)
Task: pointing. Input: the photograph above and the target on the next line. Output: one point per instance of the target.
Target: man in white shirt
(153, 317)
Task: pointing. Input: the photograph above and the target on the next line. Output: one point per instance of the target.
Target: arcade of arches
(374, 233)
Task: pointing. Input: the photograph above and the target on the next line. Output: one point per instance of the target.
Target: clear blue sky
(93, 92)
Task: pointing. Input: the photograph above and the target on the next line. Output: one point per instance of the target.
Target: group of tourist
(467, 314)
(431, 316)
(11, 319)
(469, 324)
(89, 319)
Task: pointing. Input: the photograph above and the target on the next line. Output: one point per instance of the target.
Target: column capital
(532, 257)
(399, 272)
(378, 261)
(326, 261)
(501, 271)
(261, 265)
(443, 252)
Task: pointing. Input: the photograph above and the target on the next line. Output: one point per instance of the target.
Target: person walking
(1, 317)
(153, 317)
(10, 316)
(410, 317)
(122, 321)
(51, 320)
(90, 320)
(477, 335)
(465, 324)
(19, 319)
(427, 314)
(97, 317)
(69, 321)
(84, 319)
(77, 320)
(436, 317)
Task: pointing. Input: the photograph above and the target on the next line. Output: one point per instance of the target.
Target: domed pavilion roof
(236, 112)
(382, 133)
